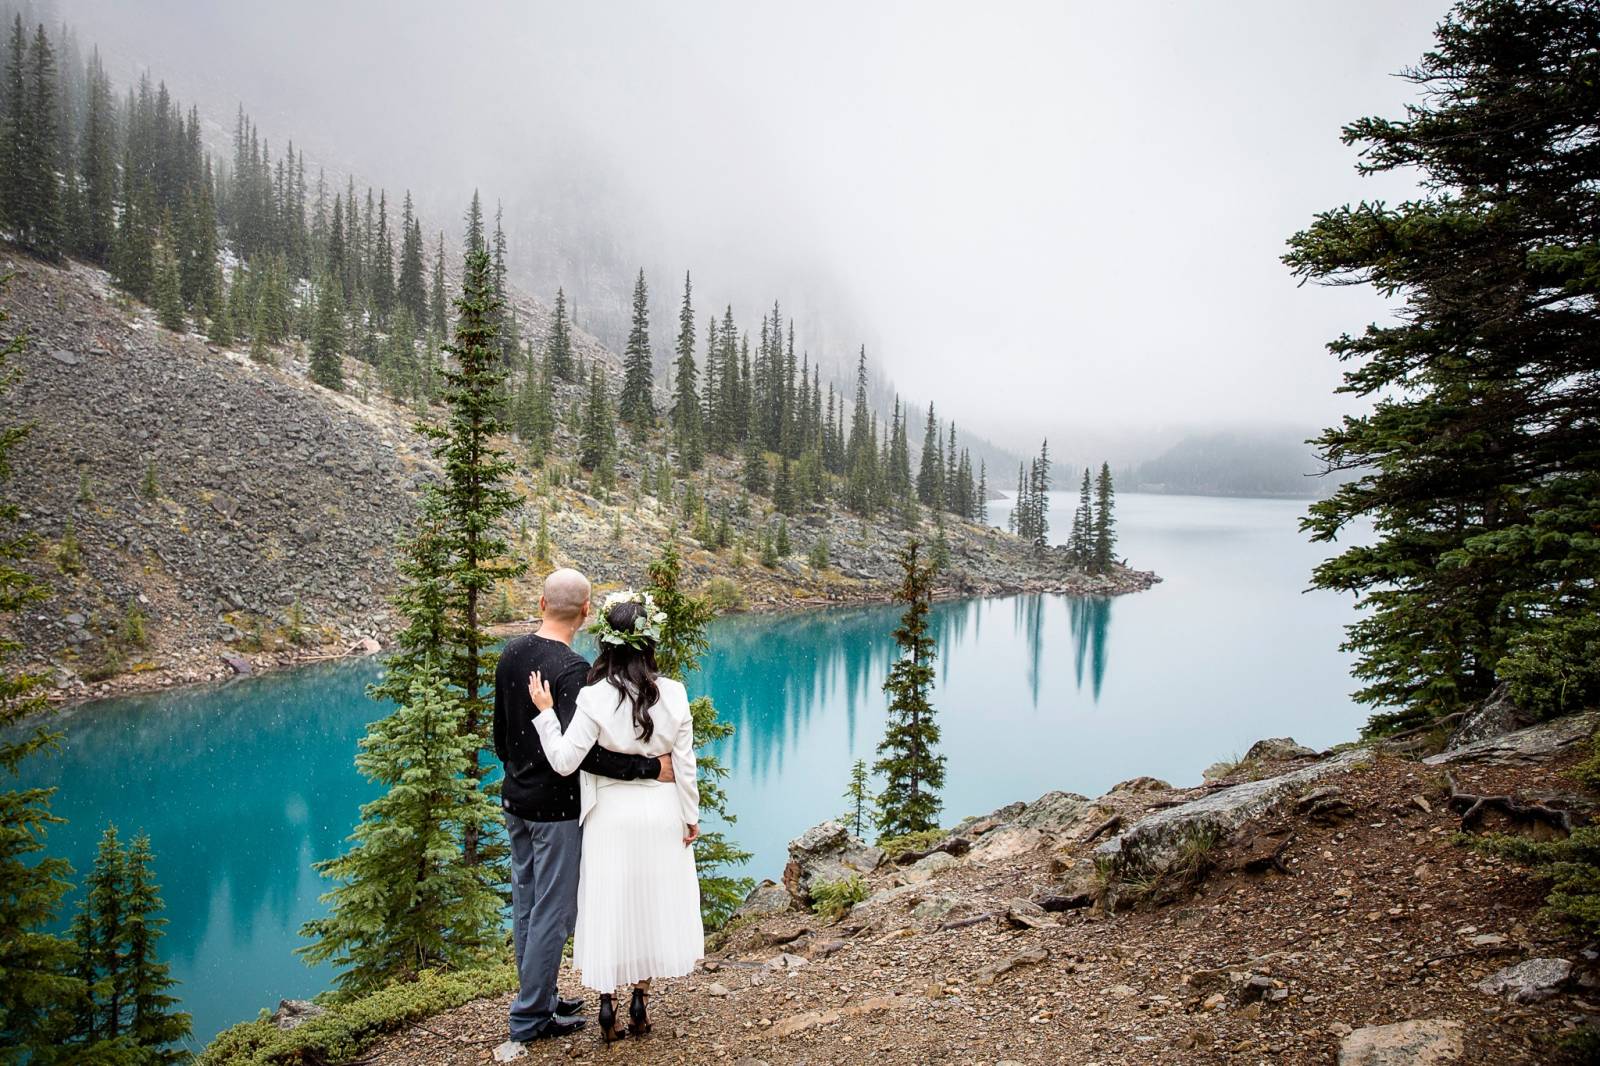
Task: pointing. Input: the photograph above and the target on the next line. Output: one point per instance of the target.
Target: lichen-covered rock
(1053, 812)
(1535, 744)
(1426, 1042)
(765, 899)
(1495, 716)
(1150, 845)
(1529, 981)
(826, 852)
(1278, 749)
(1007, 842)
(293, 1013)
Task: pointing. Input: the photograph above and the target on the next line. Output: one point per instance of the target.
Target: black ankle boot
(636, 1013)
(608, 1020)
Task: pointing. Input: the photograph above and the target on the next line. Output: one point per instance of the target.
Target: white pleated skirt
(638, 896)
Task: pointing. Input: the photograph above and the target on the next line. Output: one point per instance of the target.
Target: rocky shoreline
(1297, 907)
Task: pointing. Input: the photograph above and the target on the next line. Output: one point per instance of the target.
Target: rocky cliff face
(1317, 911)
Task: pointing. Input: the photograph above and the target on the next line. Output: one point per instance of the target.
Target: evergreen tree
(982, 515)
(327, 347)
(755, 469)
(37, 986)
(1082, 537)
(858, 794)
(637, 405)
(685, 396)
(1475, 463)
(405, 900)
(863, 450)
(597, 440)
(1105, 523)
(410, 288)
(155, 1023)
(98, 163)
(929, 472)
(907, 760)
(438, 312)
(474, 498)
(558, 348)
(169, 300)
(683, 641)
(102, 942)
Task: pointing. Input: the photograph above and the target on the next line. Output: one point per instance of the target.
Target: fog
(1050, 218)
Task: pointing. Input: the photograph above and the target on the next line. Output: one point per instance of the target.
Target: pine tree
(327, 348)
(755, 469)
(542, 551)
(683, 641)
(169, 300)
(474, 498)
(858, 794)
(98, 164)
(597, 440)
(1082, 537)
(438, 312)
(685, 396)
(863, 451)
(912, 771)
(38, 985)
(558, 348)
(637, 405)
(155, 1024)
(103, 942)
(405, 900)
(1105, 523)
(410, 289)
(1475, 462)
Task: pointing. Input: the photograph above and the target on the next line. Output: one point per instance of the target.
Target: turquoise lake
(242, 786)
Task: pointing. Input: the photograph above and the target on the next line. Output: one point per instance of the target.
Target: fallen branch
(962, 923)
(1473, 808)
(950, 846)
(1110, 825)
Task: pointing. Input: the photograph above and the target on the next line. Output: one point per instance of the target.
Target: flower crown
(646, 625)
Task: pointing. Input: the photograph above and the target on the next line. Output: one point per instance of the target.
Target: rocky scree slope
(1330, 918)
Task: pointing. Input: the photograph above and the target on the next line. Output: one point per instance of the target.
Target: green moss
(347, 1028)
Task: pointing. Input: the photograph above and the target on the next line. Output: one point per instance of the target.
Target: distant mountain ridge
(1234, 463)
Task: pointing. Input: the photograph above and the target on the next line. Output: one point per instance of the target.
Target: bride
(638, 894)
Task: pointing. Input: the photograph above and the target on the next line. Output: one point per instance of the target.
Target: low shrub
(724, 595)
(833, 899)
(895, 847)
(1555, 669)
(346, 1028)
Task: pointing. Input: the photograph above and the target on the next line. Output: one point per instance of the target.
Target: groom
(541, 806)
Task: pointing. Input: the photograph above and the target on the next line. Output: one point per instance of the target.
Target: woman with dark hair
(638, 894)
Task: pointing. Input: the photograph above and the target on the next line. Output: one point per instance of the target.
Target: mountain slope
(270, 532)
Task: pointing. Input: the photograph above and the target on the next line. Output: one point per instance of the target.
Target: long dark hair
(631, 670)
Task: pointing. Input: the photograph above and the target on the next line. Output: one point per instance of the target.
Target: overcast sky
(1058, 218)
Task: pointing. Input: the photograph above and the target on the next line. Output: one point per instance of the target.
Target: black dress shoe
(558, 1027)
(569, 1006)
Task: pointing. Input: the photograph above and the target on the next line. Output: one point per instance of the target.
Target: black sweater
(531, 789)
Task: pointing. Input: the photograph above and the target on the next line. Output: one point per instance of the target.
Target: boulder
(1007, 842)
(826, 852)
(993, 818)
(1278, 749)
(238, 664)
(1535, 744)
(1495, 716)
(293, 1013)
(765, 899)
(1426, 1042)
(1054, 812)
(1151, 844)
(1529, 981)
(1135, 785)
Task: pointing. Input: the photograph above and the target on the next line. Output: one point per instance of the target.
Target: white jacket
(601, 716)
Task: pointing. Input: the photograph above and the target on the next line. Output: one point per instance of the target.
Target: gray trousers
(544, 905)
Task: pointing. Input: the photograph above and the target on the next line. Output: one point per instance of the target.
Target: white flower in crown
(646, 625)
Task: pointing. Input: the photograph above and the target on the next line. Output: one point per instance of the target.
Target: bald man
(541, 806)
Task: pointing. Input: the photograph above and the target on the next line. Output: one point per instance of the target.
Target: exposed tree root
(1474, 808)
